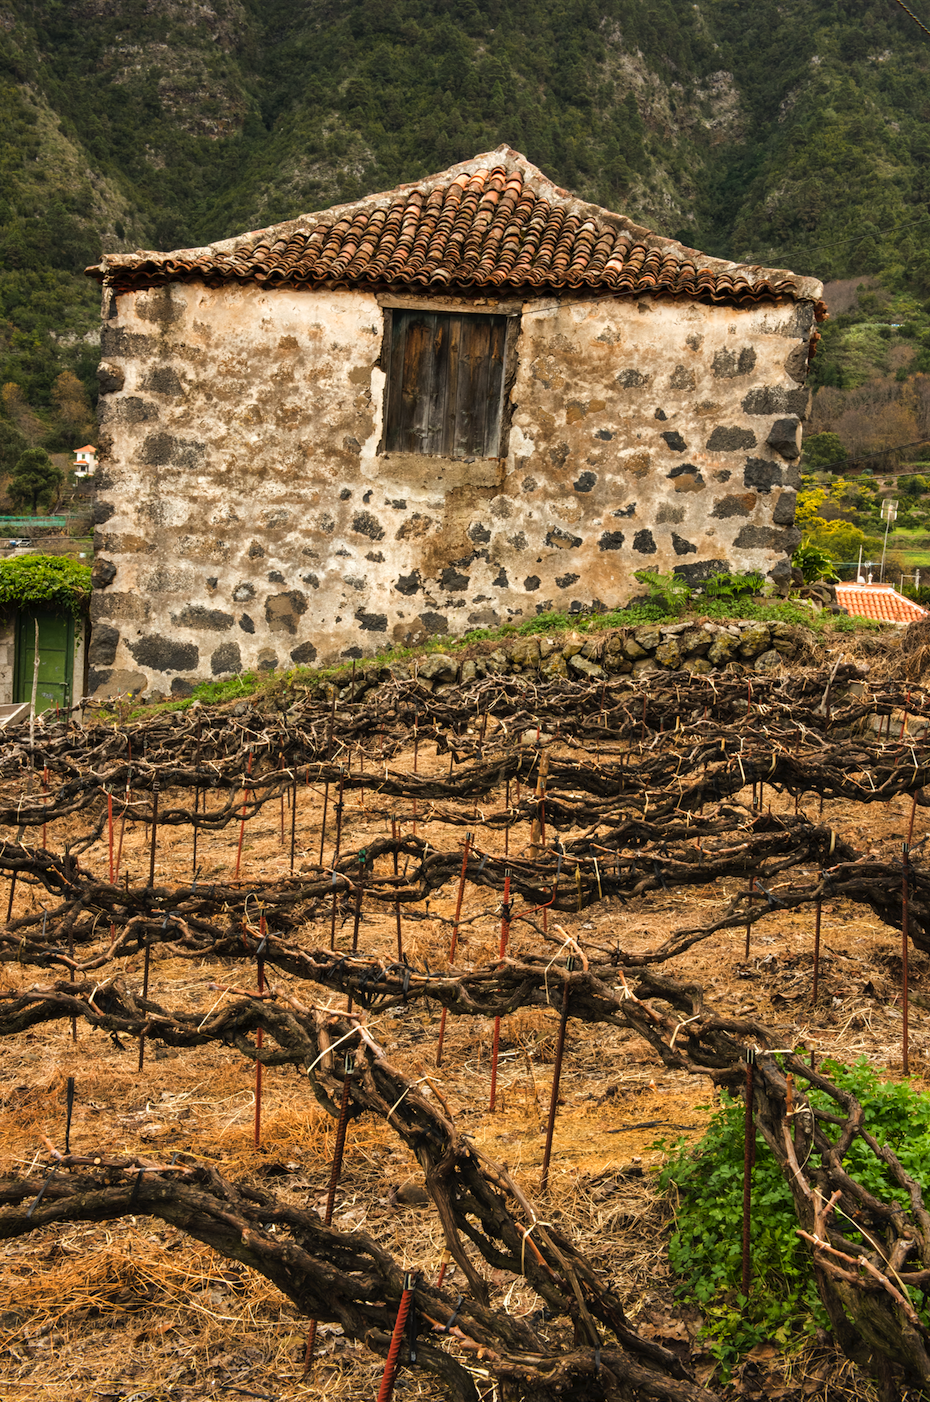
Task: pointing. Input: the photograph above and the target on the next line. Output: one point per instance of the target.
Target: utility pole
(889, 513)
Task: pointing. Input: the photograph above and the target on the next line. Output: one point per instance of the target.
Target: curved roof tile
(495, 222)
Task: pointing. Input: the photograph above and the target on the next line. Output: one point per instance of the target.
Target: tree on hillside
(822, 450)
(35, 480)
(73, 404)
(20, 411)
(869, 430)
(12, 445)
(913, 486)
(841, 540)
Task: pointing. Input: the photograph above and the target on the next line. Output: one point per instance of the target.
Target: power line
(830, 247)
(870, 457)
(913, 16)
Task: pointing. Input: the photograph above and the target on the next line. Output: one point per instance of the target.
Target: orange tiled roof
(493, 223)
(879, 601)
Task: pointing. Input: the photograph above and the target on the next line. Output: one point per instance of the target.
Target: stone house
(85, 461)
(466, 401)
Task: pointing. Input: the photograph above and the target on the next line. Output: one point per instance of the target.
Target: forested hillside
(790, 133)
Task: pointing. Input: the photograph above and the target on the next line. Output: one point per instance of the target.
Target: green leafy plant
(45, 579)
(814, 563)
(734, 584)
(668, 589)
(705, 1251)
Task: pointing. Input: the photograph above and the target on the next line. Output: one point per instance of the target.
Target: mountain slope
(786, 133)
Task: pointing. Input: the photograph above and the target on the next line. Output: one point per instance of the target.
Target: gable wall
(246, 518)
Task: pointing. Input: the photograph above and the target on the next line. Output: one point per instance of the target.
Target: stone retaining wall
(692, 647)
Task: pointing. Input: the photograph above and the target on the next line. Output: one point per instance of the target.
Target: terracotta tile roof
(879, 601)
(493, 223)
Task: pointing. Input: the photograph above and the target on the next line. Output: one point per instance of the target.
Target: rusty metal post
(197, 800)
(154, 833)
(122, 826)
(361, 770)
(196, 828)
(507, 823)
(505, 935)
(293, 819)
(336, 1170)
(905, 1009)
(245, 799)
(749, 1155)
(556, 1077)
(323, 821)
(259, 1035)
(338, 805)
(71, 978)
(416, 752)
(359, 887)
(145, 994)
(281, 766)
(386, 1389)
(817, 913)
(69, 1111)
(329, 733)
(455, 938)
(400, 934)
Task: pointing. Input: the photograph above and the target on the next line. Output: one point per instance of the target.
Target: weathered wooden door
(56, 658)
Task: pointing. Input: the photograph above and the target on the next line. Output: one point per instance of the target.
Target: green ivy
(45, 579)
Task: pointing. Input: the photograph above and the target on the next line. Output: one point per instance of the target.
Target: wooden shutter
(445, 384)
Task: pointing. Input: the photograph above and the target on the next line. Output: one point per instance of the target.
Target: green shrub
(706, 1249)
(45, 579)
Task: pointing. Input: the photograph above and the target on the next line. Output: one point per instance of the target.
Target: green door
(56, 658)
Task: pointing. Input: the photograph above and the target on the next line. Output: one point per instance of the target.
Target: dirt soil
(135, 1311)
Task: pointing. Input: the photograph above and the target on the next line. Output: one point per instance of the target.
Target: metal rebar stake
(749, 1155)
(556, 1077)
